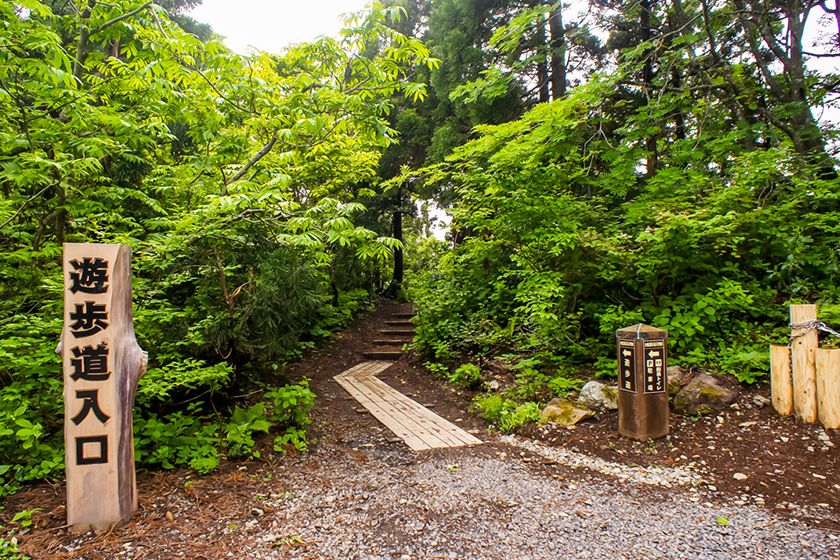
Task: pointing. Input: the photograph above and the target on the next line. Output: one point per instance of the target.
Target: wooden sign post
(642, 382)
(102, 364)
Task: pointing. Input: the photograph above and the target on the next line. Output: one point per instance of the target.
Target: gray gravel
(492, 503)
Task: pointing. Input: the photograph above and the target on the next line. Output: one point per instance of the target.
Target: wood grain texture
(102, 364)
(804, 344)
(416, 425)
(781, 387)
(828, 387)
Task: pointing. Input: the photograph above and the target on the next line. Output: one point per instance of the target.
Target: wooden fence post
(804, 343)
(828, 387)
(781, 387)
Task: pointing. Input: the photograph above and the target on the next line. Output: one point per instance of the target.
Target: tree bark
(647, 79)
(83, 43)
(399, 258)
(558, 53)
(790, 90)
(542, 61)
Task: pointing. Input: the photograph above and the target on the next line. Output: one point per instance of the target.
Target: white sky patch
(272, 25)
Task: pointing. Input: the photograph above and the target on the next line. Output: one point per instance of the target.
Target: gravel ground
(493, 502)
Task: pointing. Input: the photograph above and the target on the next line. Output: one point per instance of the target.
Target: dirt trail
(361, 493)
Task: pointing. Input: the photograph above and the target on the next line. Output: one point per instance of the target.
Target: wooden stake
(803, 346)
(781, 387)
(828, 387)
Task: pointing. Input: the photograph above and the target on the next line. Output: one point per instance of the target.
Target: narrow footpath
(362, 492)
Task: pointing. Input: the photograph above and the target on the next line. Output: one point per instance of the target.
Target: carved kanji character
(89, 276)
(90, 364)
(90, 403)
(89, 318)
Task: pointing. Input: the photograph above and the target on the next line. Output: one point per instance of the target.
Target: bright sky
(271, 25)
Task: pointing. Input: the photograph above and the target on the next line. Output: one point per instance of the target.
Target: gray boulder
(678, 377)
(565, 413)
(704, 394)
(599, 397)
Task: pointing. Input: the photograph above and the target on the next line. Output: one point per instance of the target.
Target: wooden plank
(413, 414)
(414, 441)
(446, 430)
(390, 416)
(828, 387)
(366, 368)
(781, 387)
(102, 364)
(804, 342)
(383, 354)
(381, 415)
(421, 414)
(419, 427)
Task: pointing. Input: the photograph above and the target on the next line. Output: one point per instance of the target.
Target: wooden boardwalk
(416, 425)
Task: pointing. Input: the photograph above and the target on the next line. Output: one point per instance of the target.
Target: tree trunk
(542, 61)
(83, 43)
(558, 53)
(399, 260)
(647, 79)
(790, 91)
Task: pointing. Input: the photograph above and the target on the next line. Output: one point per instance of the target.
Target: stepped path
(416, 425)
(364, 492)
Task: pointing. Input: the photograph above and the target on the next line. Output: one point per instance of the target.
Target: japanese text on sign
(655, 367)
(89, 362)
(626, 363)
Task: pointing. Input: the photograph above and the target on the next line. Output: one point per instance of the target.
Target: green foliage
(436, 368)
(179, 378)
(9, 550)
(24, 517)
(240, 429)
(568, 238)
(506, 414)
(178, 439)
(290, 405)
(466, 375)
(561, 386)
(199, 440)
(233, 179)
(295, 438)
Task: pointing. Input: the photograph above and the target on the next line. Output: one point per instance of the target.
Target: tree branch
(253, 161)
(23, 207)
(118, 19)
(821, 55)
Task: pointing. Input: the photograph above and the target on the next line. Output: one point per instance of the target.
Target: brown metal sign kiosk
(642, 382)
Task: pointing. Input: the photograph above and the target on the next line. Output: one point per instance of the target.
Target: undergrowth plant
(238, 188)
(565, 235)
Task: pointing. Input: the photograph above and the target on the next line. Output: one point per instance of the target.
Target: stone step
(383, 354)
(400, 324)
(396, 332)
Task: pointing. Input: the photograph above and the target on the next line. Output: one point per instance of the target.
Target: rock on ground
(564, 413)
(704, 394)
(598, 396)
